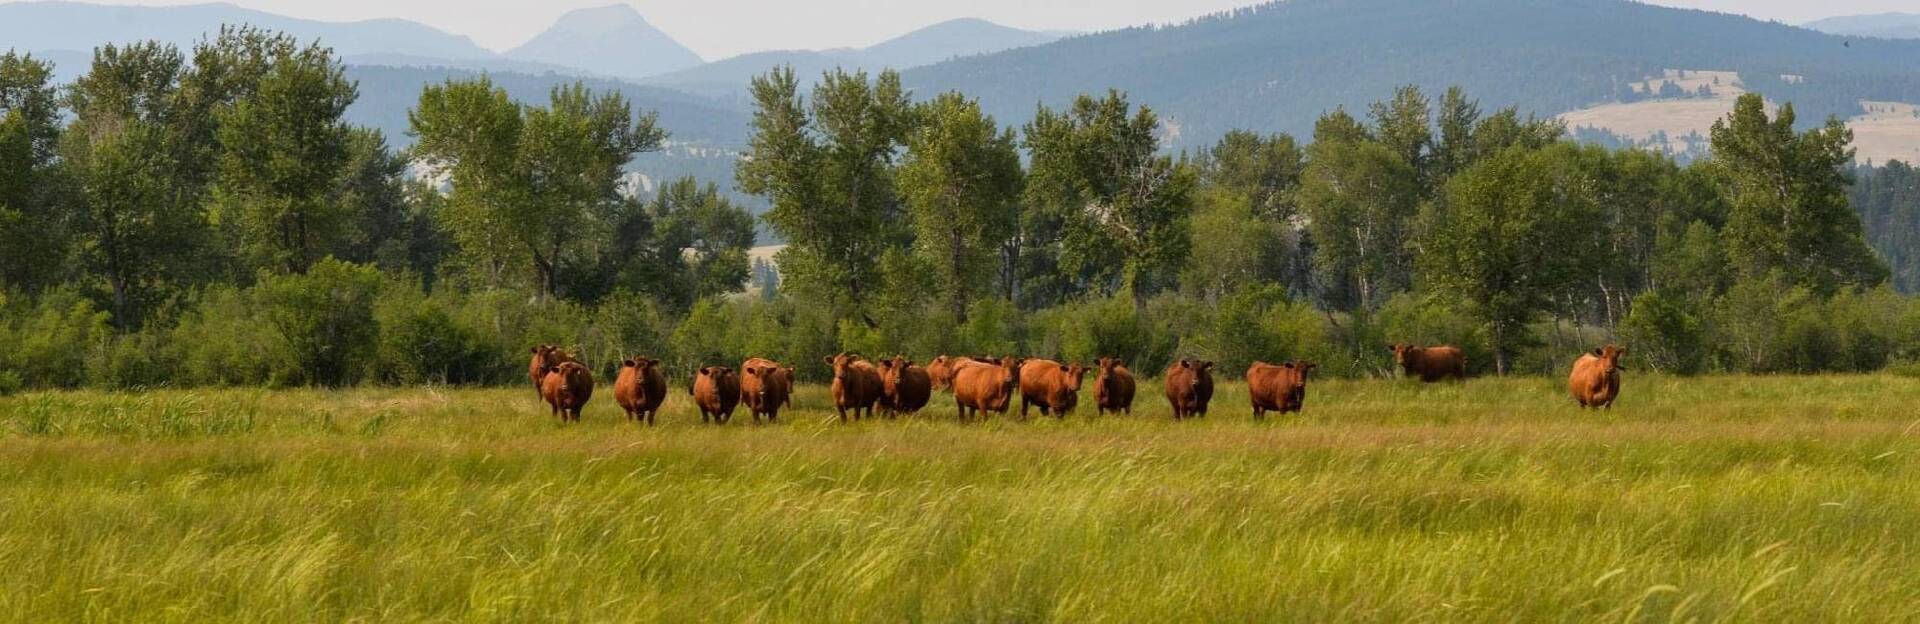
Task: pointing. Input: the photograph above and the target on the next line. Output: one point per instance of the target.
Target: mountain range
(728, 78)
(1279, 66)
(612, 40)
(1883, 25)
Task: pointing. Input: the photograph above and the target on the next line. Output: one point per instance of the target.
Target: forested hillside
(1278, 66)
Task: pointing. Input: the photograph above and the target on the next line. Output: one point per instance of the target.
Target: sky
(721, 28)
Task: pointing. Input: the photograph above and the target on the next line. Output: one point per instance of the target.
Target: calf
(1281, 388)
(856, 385)
(566, 389)
(764, 387)
(640, 389)
(904, 388)
(979, 387)
(1189, 387)
(1595, 382)
(1113, 388)
(1430, 364)
(716, 390)
(1055, 386)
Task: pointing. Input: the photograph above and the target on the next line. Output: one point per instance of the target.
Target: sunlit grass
(1719, 498)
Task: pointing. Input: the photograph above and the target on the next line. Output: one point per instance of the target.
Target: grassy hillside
(1769, 499)
(1279, 66)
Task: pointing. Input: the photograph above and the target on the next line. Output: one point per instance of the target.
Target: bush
(421, 342)
(326, 319)
(221, 341)
(1667, 334)
(54, 344)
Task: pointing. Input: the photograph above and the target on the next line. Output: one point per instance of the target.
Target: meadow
(1711, 499)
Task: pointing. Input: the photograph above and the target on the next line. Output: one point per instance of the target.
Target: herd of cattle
(988, 384)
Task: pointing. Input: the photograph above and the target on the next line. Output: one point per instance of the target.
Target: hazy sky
(721, 28)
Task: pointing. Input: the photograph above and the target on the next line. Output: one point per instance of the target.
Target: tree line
(208, 217)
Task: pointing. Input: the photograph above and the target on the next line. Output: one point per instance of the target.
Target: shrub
(326, 319)
(421, 342)
(221, 341)
(1430, 320)
(53, 345)
(1666, 333)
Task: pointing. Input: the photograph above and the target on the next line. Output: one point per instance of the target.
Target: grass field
(1730, 498)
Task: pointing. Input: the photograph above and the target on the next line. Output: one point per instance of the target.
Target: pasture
(1720, 498)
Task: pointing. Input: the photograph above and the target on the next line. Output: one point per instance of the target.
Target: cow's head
(1610, 355)
(571, 374)
(840, 363)
(1402, 351)
(1200, 370)
(1074, 372)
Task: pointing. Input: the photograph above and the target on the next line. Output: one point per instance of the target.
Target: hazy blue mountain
(613, 40)
(496, 64)
(1885, 25)
(74, 26)
(387, 92)
(1279, 66)
(727, 78)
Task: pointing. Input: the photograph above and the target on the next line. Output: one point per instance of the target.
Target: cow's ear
(828, 360)
(1288, 364)
(702, 371)
(1599, 352)
(630, 363)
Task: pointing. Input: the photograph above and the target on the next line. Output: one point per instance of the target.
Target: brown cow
(1113, 388)
(978, 386)
(1595, 382)
(856, 385)
(904, 388)
(764, 387)
(545, 357)
(566, 389)
(1052, 385)
(941, 369)
(1189, 387)
(1431, 364)
(1281, 388)
(640, 389)
(716, 390)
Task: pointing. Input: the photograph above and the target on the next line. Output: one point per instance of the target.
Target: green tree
(533, 185)
(32, 224)
(961, 179)
(1405, 126)
(283, 148)
(1123, 206)
(139, 224)
(688, 243)
(826, 165)
(1264, 170)
(1360, 199)
(1508, 234)
(1788, 193)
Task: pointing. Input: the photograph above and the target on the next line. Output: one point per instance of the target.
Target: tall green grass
(1730, 498)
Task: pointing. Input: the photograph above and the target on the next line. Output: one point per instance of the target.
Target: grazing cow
(1189, 387)
(640, 389)
(1281, 388)
(566, 389)
(979, 386)
(904, 388)
(1595, 382)
(764, 387)
(716, 390)
(1113, 388)
(1054, 386)
(856, 385)
(545, 357)
(1431, 364)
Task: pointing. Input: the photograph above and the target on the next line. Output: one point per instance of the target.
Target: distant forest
(210, 217)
